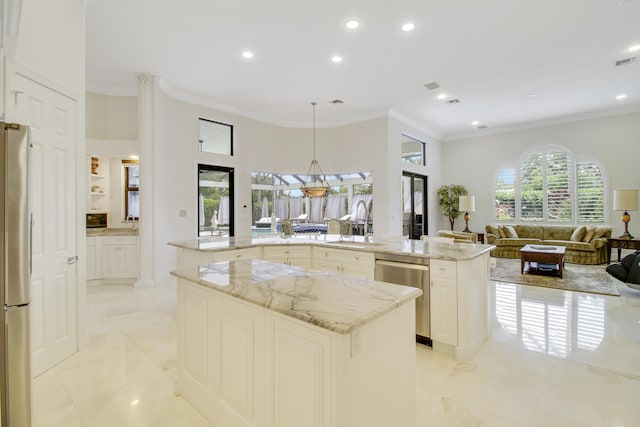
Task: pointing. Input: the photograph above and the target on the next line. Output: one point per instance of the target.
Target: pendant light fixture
(317, 186)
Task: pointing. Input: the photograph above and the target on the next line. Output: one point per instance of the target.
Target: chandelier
(317, 186)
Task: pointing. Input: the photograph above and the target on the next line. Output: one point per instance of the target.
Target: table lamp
(467, 204)
(625, 200)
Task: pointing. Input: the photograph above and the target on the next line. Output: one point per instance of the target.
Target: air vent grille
(453, 101)
(432, 86)
(626, 61)
(482, 126)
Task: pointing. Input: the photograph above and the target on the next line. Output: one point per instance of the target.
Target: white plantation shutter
(590, 193)
(505, 195)
(558, 186)
(531, 187)
(551, 188)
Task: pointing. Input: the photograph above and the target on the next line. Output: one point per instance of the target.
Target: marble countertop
(97, 232)
(334, 302)
(418, 248)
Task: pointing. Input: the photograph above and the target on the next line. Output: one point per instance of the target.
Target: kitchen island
(458, 286)
(266, 344)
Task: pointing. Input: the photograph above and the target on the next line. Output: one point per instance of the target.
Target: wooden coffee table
(542, 255)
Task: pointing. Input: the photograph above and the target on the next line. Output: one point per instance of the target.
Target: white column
(146, 122)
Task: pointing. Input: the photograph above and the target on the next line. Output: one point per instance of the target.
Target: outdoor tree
(448, 196)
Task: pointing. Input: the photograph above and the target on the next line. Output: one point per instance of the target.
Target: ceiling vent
(432, 86)
(336, 101)
(626, 61)
(482, 126)
(453, 101)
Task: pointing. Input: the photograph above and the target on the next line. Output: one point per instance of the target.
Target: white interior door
(51, 118)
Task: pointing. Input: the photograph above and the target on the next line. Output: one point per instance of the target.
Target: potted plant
(448, 196)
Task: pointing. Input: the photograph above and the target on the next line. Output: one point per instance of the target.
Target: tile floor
(555, 358)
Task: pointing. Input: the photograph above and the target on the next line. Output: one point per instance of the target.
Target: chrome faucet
(366, 215)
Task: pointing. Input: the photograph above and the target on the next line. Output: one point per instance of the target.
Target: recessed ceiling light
(621, 96)
(134, 157)
(475, 122)
(409, 26)
(634, 48)
(336, 58)
(442, 96)
(247, 54)
(531, 95)
(352, 24)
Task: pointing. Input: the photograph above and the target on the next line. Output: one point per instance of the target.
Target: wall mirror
(413, 150)
(215, 137)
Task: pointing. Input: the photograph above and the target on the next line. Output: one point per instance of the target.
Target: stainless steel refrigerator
(15, 269)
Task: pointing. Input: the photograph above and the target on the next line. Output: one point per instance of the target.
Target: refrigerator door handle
(72, 259)
(31, 224)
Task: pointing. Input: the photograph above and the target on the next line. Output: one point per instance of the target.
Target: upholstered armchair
(333, 226)
(286, 227)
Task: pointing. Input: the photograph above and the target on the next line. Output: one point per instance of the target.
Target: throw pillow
(600, 232)
(502, 232)
(493, 230)
(591, 231)
(510, 231)
(578, 234)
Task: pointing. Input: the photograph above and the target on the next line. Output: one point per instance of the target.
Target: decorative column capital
(145, 79)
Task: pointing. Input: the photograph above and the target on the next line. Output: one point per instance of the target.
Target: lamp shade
(625, 200)
(467, 203)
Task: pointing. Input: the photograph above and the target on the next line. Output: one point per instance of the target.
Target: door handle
(72, 259)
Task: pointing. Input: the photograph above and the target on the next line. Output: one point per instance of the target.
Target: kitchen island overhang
(262, 343)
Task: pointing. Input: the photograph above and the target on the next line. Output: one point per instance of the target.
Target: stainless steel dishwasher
(409, 271)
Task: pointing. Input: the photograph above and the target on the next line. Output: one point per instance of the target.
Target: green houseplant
(448, 196)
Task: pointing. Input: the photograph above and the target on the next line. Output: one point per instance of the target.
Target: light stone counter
(334, 302)
(99, 232)
(418, 248)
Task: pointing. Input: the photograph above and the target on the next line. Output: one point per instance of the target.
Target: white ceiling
(490, 54)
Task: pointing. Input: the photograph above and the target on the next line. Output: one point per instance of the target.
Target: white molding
(553, 121)
(428, 131)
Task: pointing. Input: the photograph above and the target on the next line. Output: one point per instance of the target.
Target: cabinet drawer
(344, 256)
(286, 252)
(443, 269)
(237, 254)
(119, 240)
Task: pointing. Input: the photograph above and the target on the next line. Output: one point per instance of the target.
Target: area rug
(582, 278)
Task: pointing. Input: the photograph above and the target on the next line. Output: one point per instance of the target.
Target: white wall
(372, 145)
(613, 141)
(112, 117)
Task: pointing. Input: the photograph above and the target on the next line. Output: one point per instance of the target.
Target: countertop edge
(481, 248)
(342, 329)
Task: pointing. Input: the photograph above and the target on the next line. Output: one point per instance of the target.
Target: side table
(616, 242)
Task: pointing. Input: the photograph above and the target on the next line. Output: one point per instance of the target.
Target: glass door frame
(230, 172)
(412, 222)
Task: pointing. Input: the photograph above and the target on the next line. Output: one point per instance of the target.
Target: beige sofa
(585, 245)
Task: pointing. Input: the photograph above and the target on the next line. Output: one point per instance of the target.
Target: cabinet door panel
(236, 384)
(301, 376)
(195, 336)
(444, 311)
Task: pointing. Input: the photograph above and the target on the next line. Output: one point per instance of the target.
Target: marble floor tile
(555, 358)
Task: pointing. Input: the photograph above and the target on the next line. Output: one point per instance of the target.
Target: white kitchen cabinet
(119, 257)
(444, 301)
(244, 365)
(342, 261)
(112, 258)
(299, 256)
(92, 271)
(237, 254)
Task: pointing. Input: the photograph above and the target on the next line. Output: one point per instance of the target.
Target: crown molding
(553, 121)
(427, 128)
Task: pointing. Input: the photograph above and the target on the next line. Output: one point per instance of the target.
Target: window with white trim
(551, 187)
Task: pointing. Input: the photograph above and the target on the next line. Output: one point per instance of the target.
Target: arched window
(551, 187)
